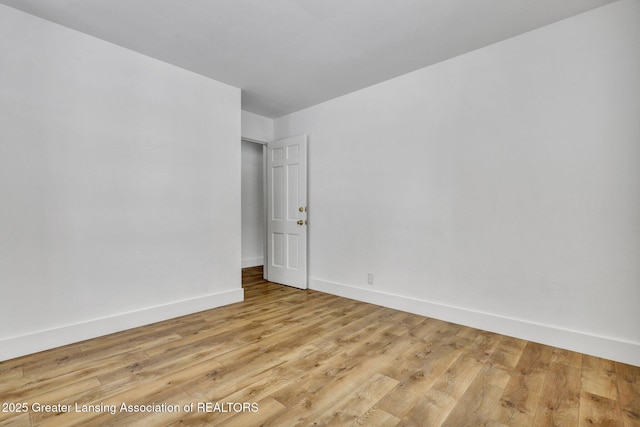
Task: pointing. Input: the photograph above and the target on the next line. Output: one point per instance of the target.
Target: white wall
(499, 189)
(256, 127)
(119, 186)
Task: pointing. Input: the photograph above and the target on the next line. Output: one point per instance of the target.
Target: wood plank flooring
(286, 357)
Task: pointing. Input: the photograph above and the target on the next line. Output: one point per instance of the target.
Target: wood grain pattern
(309, 358)
(521, 396)
(599, 377)
(629, 388)
(596, 410)
(560, 398)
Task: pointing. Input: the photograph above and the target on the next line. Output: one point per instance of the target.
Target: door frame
(265, 206)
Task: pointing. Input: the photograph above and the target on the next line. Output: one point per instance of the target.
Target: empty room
(298, 212)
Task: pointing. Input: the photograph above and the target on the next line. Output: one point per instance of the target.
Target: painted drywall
(253, 213)
(256, 127)
(499, 189)
(119, 187)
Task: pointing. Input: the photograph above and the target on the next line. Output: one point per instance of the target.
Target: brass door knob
(300, 222)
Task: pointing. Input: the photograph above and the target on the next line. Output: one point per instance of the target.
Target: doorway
(274, 209)
(252, 204)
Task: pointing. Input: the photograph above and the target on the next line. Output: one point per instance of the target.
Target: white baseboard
(51, 338)
(252, 262)
(605, 347)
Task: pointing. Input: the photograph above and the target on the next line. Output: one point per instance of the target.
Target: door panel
(287, 212)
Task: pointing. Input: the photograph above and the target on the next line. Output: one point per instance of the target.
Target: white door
(286, 164)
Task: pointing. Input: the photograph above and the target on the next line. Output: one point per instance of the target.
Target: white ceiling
(287, 55)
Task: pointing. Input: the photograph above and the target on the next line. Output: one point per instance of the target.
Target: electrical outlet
(370, 278)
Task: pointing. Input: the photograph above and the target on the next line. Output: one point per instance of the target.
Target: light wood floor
(309, 358)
